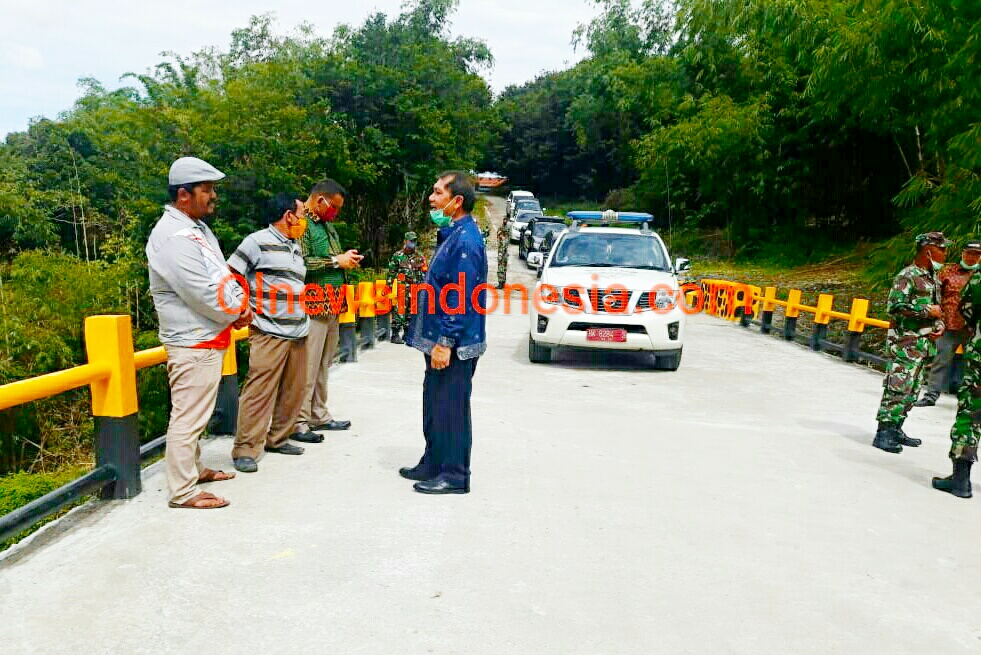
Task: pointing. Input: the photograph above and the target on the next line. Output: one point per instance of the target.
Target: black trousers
(446, 421)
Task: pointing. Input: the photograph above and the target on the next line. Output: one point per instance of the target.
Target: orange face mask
(297, 231)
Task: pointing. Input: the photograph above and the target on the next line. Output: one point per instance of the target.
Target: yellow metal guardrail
(737, 301)
(110, 374)
(112, 364)
(724, 298)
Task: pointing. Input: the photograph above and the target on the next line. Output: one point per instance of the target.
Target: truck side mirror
(682, 265)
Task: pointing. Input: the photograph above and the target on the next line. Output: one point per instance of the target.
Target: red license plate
(612, 335)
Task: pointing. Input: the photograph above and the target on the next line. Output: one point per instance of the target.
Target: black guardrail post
(384, 326)
(225, 419)
(790, 329)
(766, 322)
(348, 342)
(109, 340)
(818, 336)
(367, 329)
(852, 347)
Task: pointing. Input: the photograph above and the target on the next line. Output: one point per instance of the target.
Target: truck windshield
(610, 250)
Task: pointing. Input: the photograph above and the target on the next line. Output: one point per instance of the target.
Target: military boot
(907, 440)
(929, 399)
(888, 439)
(958, 484)
(397, 336)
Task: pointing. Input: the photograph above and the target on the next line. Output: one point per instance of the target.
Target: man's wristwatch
(333, 262)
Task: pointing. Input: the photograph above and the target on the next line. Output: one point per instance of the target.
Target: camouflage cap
(973, 244)
(933, 239)
(411, 236)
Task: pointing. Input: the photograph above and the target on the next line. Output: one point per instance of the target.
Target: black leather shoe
(285, 449)
(440, 487)
(928, 400)
(332, 426)
(307, 437)
(246, 465)
(416, 474)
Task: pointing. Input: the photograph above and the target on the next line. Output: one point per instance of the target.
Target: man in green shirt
(326, 263)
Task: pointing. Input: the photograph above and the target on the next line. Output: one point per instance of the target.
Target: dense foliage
(787, 124)
(793, 127)
(381, 107)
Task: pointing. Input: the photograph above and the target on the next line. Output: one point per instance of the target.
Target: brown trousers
(194, 375)
(321, 350)
(273, 391)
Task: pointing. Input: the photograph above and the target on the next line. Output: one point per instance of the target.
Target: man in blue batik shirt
(450, 329)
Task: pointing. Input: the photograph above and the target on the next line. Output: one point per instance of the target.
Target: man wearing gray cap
(198, 302)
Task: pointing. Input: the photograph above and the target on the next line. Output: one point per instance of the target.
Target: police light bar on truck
(610, 217)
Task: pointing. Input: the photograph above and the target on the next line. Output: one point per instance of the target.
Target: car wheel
(667, 361)
(538, 354)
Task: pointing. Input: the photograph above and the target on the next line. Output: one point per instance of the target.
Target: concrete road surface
(735, 506)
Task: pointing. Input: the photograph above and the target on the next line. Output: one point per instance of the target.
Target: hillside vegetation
(764, 134)
(784, 130)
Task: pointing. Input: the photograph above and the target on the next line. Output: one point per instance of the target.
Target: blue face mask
(937, 266)
(439, 216)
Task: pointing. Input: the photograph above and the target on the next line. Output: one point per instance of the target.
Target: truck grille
(619, 301)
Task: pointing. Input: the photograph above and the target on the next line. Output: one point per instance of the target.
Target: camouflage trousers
(967, 426)
(502, 266)
(909, 357)
(400, 320)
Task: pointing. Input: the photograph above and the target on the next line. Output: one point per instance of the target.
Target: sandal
(207, 475)
(203, 497)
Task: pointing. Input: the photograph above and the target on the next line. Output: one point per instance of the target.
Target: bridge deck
(735, 506)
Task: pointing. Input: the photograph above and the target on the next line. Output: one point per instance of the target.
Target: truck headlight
(550, 295)
(664, 299)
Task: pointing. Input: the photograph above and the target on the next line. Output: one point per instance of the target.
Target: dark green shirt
(320, 243)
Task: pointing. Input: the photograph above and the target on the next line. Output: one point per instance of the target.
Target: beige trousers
(273, 390)
(194, 375)
(321, 350)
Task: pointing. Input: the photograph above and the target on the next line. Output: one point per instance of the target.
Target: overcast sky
(47, 45)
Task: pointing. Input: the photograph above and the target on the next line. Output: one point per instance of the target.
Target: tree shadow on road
(845, 430)
(897, 464)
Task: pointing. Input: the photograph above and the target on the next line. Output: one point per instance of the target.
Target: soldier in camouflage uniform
(407, 266)
(967, 426)
(503, 239)
(914, 306)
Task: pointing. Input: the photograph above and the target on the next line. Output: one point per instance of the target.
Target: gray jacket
(187, 273)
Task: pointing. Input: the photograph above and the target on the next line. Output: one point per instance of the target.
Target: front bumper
(648, 330)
